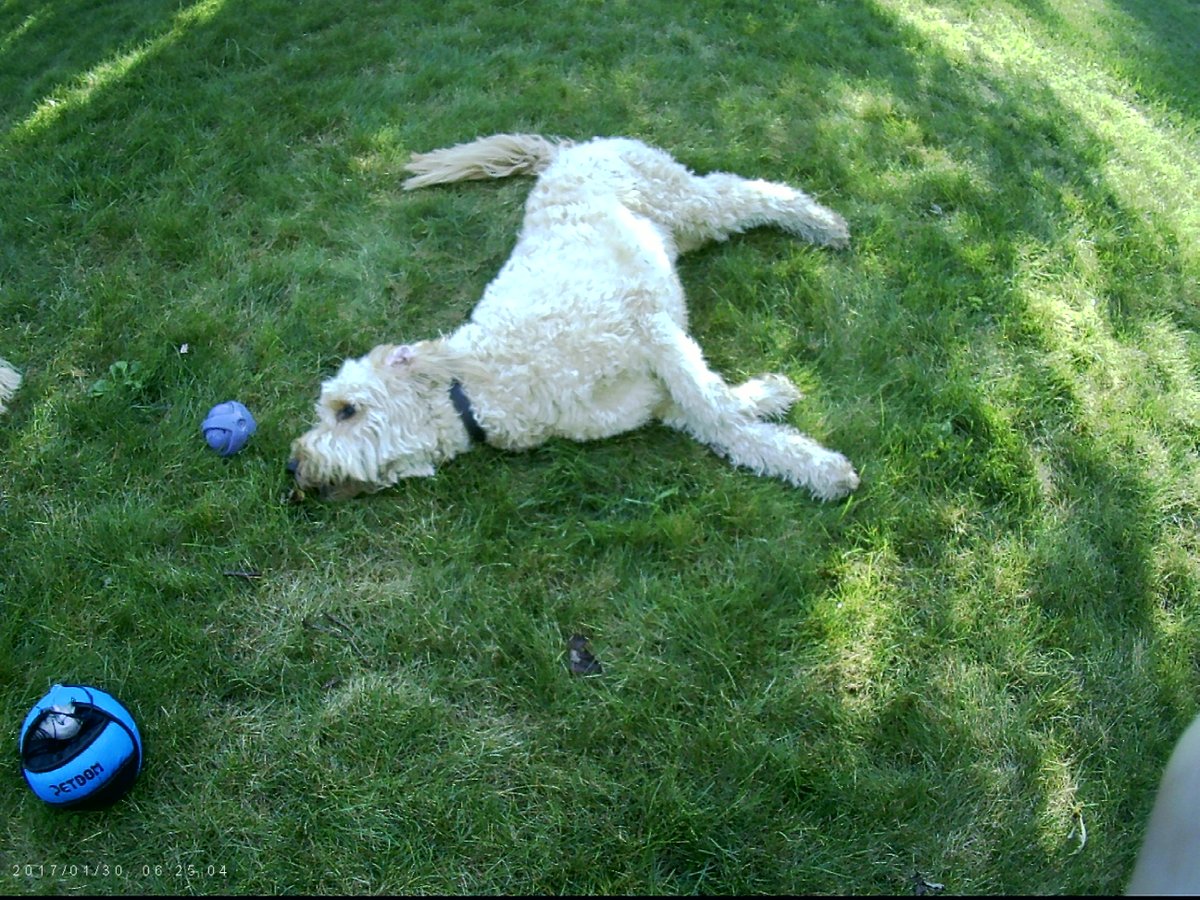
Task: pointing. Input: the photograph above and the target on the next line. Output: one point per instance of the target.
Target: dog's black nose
(292, 465)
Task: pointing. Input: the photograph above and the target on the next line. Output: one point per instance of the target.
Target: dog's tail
(497, 156)
(10, 380)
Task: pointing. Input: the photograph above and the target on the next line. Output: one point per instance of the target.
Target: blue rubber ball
(80, 748)
(228, 427)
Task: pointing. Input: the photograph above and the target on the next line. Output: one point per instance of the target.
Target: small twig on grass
(239, 573)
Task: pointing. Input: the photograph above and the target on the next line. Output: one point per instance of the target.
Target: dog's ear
(427, 359)
(400, 356)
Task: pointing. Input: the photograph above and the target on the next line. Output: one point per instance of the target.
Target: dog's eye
(347, 411)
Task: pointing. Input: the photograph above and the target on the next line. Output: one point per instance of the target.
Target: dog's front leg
(704, 406)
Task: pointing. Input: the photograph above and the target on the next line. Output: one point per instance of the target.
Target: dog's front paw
(833, 478)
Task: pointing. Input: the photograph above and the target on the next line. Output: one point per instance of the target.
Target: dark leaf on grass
(921, 887)
(580, 657)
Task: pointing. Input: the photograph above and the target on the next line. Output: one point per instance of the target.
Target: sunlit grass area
(971, 671)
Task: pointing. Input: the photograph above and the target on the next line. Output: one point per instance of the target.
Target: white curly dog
(582, 334)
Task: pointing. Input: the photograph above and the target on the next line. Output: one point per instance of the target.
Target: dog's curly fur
(582, 334)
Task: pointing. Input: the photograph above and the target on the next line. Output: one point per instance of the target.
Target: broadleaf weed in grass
(123, 377)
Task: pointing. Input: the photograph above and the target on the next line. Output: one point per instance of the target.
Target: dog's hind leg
(722, 204)
(697, 209)
(766, 396)
(726, 419)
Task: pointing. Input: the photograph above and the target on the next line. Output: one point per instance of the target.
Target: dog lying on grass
(582, 334)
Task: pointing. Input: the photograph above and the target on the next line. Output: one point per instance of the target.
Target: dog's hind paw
(767, 396)
(835, 232)
(833, 478)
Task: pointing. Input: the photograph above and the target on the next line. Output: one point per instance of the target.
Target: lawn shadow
(1157, 45)
(86, 42)
(991, 168)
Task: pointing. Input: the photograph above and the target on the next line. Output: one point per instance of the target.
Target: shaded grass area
(991, 642)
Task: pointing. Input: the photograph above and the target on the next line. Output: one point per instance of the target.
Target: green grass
(995, 637)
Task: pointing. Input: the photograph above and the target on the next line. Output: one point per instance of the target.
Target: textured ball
(80, 748)
(228, 427)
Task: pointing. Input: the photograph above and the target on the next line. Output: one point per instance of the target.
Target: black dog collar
(463, 407)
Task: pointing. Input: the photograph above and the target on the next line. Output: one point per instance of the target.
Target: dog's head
(376, 424)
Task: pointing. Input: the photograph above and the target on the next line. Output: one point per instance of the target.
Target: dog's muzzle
(301, 489)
